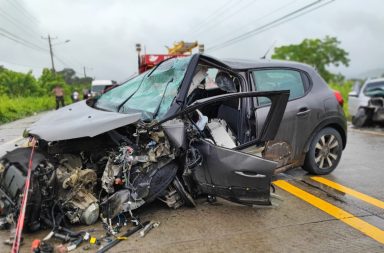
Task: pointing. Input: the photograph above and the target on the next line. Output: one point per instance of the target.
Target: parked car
(101, 86)
(189, 127)
(366, 103)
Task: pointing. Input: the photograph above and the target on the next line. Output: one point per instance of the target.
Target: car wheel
(324, 152)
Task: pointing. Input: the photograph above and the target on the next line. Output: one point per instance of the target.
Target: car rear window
(279, 79)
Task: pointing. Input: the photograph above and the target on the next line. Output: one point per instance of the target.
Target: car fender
(334, 122)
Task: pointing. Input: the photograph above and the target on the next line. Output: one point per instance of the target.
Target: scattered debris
(148, 228)
(114, 242)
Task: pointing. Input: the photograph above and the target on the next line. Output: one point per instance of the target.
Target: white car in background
(366, 103)
(98, 87)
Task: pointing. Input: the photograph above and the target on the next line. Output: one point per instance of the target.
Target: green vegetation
(344, 88)
(317, 53)
(22, 94)
(16, 108)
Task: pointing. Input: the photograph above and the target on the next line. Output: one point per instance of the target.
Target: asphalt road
(341, 212)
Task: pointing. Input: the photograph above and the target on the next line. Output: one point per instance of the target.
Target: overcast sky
(103, 34)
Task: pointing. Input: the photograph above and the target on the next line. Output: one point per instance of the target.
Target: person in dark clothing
(59, 94)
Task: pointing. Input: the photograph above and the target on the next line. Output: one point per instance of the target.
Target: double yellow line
(335, 211)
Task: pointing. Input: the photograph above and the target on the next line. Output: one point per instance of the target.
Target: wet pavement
(323, 218)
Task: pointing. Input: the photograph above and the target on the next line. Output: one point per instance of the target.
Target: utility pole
(138, 50)
(50, 48)
(85, 70)
(50, 51)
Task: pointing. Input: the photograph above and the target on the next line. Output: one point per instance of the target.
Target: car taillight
(339, 98)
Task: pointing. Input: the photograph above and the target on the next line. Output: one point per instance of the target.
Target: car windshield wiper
(161, 100)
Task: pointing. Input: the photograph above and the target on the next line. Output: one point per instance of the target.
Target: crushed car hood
(79, 120)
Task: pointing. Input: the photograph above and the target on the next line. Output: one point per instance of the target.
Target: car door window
(279, 79)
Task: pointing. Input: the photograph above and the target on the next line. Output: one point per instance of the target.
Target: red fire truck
(179, 49)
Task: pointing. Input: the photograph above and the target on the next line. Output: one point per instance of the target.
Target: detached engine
(67, 188)
(75, 190)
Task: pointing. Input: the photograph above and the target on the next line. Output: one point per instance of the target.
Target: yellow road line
(348, 218)
(350, 191)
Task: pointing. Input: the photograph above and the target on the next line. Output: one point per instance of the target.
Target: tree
(316, 52)
(68, 74)
(17, 84)
(48, 80)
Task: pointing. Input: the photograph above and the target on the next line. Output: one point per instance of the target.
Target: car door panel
(233, 174)
(294, 127)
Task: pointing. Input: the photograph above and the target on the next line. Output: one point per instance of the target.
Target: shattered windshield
(151, 93)
(374, 89)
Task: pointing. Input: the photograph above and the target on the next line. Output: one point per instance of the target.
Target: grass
(16, 108)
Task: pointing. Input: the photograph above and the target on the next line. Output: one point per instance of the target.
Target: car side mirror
(353, 94)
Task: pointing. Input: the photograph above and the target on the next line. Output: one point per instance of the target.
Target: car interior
(223, 120)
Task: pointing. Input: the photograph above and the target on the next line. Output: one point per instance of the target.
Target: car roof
(373, 80)
(245, 64)
(101, 82)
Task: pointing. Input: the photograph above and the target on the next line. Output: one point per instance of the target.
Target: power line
(21, 65)
(65, 64)
(15, 22)
(16, 5)
(226, 17)
(20, 40)
(263, 17)
(217, 12)
(71, 60)
(267, 26)
(61, 61)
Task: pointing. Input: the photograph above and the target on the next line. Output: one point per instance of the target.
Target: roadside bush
(16, 108)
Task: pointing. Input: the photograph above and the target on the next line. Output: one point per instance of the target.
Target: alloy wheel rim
(326, 151)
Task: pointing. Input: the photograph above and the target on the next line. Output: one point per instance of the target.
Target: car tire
(324, 152)
(361, 118)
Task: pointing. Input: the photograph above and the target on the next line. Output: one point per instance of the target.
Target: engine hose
(53, 216)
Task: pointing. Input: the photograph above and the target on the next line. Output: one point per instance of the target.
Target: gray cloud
(103, 33)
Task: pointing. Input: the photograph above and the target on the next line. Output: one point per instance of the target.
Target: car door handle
(303, 111)
(241, 173)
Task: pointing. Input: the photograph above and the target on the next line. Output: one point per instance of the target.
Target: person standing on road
(59, 93)
(75, 96)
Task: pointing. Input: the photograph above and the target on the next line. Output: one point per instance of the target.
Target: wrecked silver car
(179, 131)
(366, 103)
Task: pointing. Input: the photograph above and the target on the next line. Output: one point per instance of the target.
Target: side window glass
(279, 79)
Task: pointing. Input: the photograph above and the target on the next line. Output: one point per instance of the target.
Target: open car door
(231, 173)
